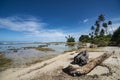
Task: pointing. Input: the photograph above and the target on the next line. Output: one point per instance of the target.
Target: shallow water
(19, 55)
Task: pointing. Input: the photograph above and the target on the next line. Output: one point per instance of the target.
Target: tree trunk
(77, 70)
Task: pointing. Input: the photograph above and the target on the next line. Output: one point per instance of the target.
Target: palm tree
(97, 23)
(92, 28)
(97, 30)
(102, 32)
(101, 18)
(110, 23)
(70, 38)
(105, 26)
(90, 34)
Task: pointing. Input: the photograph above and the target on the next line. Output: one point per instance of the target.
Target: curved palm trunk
(106, 31)
(112, 29)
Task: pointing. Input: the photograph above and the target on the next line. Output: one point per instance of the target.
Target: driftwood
(77, 70)
(82, 58)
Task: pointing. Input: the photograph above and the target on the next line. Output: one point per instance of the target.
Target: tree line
(100, 34)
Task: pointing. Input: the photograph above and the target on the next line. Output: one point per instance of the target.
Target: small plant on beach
(70, 38)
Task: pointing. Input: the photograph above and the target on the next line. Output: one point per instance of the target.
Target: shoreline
(50, 66)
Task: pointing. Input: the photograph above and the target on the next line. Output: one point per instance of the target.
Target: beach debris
(93, 46)
(82, 58)
(82, 70)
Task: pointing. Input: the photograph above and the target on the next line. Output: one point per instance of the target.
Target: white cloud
(113, 27)
(33, 29)
(19, 24)
(86, 20)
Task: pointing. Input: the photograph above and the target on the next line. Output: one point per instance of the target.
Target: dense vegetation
(116, 37)
(100, 34)
(84, 38)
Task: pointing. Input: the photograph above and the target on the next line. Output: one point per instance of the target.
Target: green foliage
(70, 39)
(70, 44)
(99, 23)
(116, 37)
(105, 26)
(101, 17)
(99, 34)
(102, 33)
(102, 40)
(84, 38)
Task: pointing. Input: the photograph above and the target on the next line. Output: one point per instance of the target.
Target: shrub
(116, 37)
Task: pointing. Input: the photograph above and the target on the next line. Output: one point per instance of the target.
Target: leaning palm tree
(110, 23)
(105, 26)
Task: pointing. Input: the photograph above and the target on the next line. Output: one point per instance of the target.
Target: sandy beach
(52, 68)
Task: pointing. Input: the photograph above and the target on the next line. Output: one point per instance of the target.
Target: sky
(52, 20)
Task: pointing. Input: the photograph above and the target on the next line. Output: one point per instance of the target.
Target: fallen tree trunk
(77, 70)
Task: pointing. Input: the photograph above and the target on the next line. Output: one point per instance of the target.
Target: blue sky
(52, 20)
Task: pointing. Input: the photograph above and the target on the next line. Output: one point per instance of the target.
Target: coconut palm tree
(105, 26)
(90, 35)
(101, 18)
(97, 23)
(97, 30)
(92, 28)
(70, 38)
(102, 32)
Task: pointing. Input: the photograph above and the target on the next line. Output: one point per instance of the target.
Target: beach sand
(52, 69)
